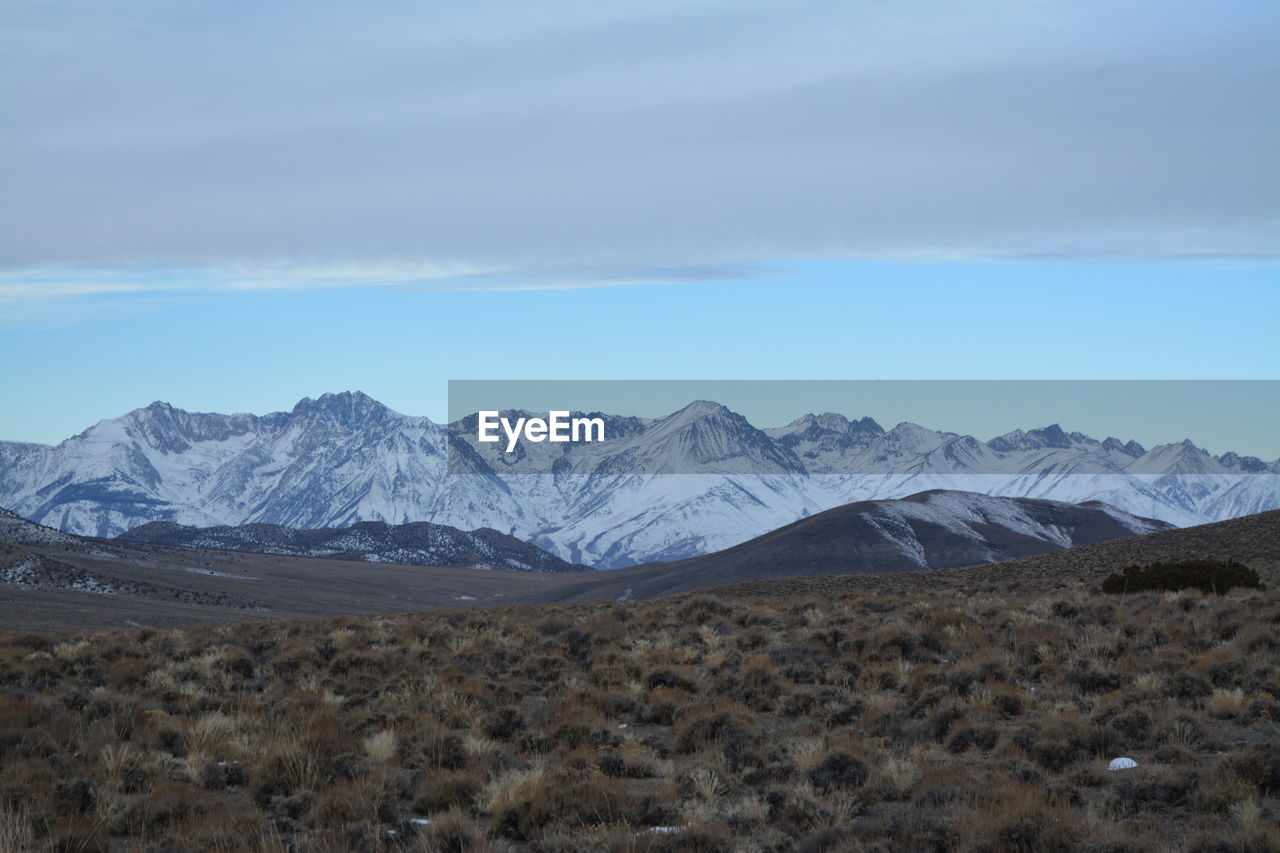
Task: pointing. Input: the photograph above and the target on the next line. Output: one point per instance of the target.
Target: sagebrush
(882, 721)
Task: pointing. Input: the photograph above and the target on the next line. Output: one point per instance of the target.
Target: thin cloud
(40, 296)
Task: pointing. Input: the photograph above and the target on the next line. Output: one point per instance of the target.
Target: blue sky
(263, 350)
(231, 205)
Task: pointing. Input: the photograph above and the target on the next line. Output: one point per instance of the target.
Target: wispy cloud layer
(54, 295)
(508, 139)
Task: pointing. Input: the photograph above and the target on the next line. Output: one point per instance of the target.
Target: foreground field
(967, 714)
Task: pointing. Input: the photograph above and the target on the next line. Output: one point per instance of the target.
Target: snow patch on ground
(22, 575)
(215, 574)
(35, 573)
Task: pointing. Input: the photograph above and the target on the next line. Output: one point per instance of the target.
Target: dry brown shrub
(1021, 819)
(981, 721)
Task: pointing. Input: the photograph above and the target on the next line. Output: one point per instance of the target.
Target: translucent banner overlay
(980, 434)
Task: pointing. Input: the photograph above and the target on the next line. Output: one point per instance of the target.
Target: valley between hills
(164, 574)
(51, 580)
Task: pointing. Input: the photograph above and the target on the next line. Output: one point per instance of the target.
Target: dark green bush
(838, 768)
(1210, 576)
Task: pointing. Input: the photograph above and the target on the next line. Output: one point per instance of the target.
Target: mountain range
(346, 458)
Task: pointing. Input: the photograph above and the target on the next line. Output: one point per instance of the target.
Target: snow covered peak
(336, 402)
(1131, 448)
(811, 426)
(831, 421)
(1244, 464)
(703, 437)
(710, 420)
(827, 443)
(907, 437)
(1180, 458)
(825, 422)
(1051, 436)
(866, 425)
(347, 407)
(700, 409)
(1009, 441)
(170, 430)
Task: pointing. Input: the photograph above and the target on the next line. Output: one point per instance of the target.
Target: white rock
(1122, 764)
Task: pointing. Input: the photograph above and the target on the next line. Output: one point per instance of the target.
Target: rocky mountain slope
(417, 544)
(19, 531)
(1253, 540)
(930, 530)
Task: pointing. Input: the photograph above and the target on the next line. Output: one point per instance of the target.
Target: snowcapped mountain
(701, 438)
(345, 458)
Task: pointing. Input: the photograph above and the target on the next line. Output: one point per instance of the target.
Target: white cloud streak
(42, 295)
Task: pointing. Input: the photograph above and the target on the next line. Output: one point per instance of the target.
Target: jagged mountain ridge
(417, 544)
(345, 458)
